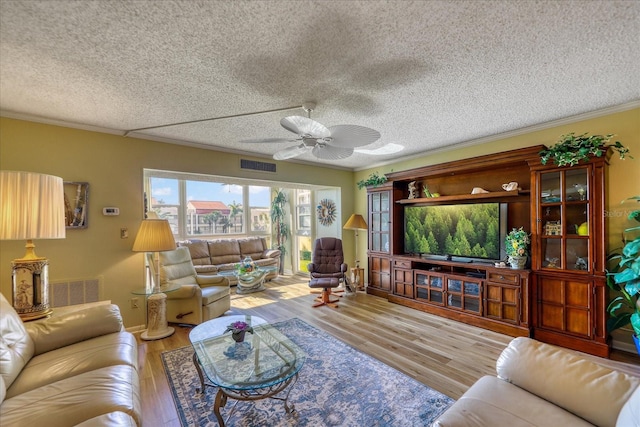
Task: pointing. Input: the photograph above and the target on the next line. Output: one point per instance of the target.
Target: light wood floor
(445, 355)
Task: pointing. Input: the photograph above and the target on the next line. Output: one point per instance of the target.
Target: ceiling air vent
(257, 166)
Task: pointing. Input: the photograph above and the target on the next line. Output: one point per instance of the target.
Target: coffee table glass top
(265, 357)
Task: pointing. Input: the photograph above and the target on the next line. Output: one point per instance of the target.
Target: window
(206, 206)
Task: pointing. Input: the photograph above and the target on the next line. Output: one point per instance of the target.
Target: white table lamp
(31, 207)
(155, 235)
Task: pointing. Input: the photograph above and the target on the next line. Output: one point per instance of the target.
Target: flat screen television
(462, 231)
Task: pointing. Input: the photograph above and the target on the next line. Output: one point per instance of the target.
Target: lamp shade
(355, 222)
(31, 206)
(155, 235)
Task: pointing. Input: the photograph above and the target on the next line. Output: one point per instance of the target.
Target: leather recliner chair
(200, 298)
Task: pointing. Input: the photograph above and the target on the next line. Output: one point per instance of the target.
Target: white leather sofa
(542, 385)
(79, 368)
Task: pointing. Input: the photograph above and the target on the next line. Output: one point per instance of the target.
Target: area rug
(337, 386)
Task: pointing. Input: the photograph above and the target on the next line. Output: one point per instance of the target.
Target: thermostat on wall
(110, 211)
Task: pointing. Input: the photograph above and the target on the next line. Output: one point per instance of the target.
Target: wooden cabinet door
(403, 282)
(564, 305)
(502, 302)
(379, 273)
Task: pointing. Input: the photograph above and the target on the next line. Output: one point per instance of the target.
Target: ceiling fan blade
(290, 152)
(352, 136)
(262, 140)
(331, 152)
(305, 126)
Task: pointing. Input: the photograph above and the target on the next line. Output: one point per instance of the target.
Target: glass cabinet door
(379, 221)
(564, 219)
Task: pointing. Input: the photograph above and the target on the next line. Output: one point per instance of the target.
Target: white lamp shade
(155, 235)
(31, 206)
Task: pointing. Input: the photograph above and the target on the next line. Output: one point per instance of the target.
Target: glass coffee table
(260, 367)
(249, 282)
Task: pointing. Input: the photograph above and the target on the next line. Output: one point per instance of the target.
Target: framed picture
(76, 204)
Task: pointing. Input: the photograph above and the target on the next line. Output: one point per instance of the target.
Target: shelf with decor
(463, 197)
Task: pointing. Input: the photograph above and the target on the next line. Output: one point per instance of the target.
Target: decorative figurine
(413, 190)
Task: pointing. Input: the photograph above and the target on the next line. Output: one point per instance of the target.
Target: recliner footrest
(324, 282)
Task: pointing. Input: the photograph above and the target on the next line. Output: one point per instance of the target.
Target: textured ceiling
(425, 74)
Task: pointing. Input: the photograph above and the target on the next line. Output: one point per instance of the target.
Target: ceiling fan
(327, 143)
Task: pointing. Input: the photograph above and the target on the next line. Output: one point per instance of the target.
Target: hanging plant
(374, 180)
(572, 149)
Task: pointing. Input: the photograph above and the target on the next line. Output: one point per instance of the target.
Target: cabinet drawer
(402, 264)
(506, 277)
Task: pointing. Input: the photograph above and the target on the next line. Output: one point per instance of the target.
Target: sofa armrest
(214, 280)
(184, 292)
(568, 380)
(67, 329)
(271, 253)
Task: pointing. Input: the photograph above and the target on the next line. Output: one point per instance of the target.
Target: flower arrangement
(246, 266)
(516, 243)
(237, 327)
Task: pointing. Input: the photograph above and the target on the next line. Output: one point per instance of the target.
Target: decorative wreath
(326, 212)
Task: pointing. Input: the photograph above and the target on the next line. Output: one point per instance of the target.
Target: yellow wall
(113, 166)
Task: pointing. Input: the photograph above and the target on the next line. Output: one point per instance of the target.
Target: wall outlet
(135, 302)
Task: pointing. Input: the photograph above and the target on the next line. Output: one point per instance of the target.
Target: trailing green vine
(373, 180)
(572, 149)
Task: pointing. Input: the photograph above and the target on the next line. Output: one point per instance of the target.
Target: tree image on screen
(458, 230)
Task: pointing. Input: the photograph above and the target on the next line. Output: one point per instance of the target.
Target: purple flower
(239, 327)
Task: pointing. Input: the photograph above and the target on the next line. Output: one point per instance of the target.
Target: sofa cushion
(112, 419)
(177, 267)
(224, 251)
(253, 247)
(70, 328)
(106, 350)
(630, 414)
(199, 250)
(74, 400)
(16, 345)
(492, 402)
(584, 388)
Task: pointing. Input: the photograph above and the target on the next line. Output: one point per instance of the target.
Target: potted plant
(624, 279)
(373, 180)
(238, 330)
(278, 219)
(571, 149)
(516, 244)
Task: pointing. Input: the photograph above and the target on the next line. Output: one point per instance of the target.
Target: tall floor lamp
(155, 235)
(356, 222)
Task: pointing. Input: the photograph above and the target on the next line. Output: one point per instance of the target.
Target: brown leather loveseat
(213, 256)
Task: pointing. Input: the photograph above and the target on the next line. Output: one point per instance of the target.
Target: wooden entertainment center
(559, 298)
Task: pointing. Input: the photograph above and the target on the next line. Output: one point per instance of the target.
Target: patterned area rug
(337, 386)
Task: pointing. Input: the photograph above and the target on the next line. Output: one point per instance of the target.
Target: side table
(358, 273)
(157, 326)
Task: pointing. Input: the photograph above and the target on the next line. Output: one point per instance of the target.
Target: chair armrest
(67, 329)
(344, 268)
(271, 253)
(311, 267)
(185, 292)
(216, 280)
